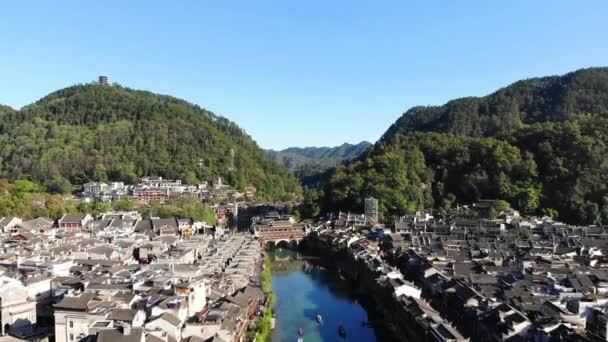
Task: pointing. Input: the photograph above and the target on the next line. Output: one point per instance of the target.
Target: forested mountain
(108, 132)
(547, 153)
(309, 163)
(296, 157)
(554, 98)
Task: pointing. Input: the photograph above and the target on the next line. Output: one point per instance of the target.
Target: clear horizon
(297, 75)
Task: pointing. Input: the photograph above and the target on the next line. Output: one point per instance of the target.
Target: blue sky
(297, 73)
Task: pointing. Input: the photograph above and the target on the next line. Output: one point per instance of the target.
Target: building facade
(371, 209)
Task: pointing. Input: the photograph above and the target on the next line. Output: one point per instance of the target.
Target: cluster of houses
(460, 279)
(159, 189)
(122, 278)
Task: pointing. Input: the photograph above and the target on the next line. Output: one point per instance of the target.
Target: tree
(498, 207)
(197, 211)
(168, 210)
(550, 212)
(58, 184)
(23, 186)
(101, 207)
(123, 204)
(55, 206)
(527, 199)
(190, 178)
(310, 207)
(100, 174)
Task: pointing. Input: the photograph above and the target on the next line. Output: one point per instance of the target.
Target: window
(71, 324)
(71, 337)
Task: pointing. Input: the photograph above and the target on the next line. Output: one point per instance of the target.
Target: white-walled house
(402, 286)
(38, 288)
(59, 268)
(17, 310)
(6, 223)
(127, 318)
(72, 318)
(196, 291)
(167, 325)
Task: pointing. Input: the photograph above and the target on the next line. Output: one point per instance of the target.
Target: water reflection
(304, 289)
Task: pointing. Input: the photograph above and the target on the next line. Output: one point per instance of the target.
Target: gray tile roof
(116, 335)
(72, 218)
(75, 303)
(172, 319)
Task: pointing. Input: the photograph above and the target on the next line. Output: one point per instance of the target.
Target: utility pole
(232, 155)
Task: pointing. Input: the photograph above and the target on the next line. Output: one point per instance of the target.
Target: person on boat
(301, 332)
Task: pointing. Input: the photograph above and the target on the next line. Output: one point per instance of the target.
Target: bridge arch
(270, 245)
(282, 243)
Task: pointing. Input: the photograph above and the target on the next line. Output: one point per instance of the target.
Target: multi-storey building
(371, 209)
(145, 195)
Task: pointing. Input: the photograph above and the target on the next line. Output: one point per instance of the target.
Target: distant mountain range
(295, 158)
(310, 163)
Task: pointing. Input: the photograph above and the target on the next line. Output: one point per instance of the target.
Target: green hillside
(296, 158)
(102, 132)
(547, 154)
(553, 98)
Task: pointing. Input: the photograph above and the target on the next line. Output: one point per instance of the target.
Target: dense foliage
(572, 163)
(553, 98)
(262, 328)
(101, 132)
(547, 159)
(27, 200)
(308, 163)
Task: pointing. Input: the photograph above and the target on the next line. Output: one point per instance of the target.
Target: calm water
(303, 290)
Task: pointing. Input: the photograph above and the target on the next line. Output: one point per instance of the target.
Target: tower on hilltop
(103, 79)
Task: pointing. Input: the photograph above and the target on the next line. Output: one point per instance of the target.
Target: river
(303, 289)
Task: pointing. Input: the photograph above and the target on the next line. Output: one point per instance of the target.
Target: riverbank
(263, 327)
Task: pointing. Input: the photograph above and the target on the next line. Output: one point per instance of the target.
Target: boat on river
(319, 319)
(321, 299)
(342, 331)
